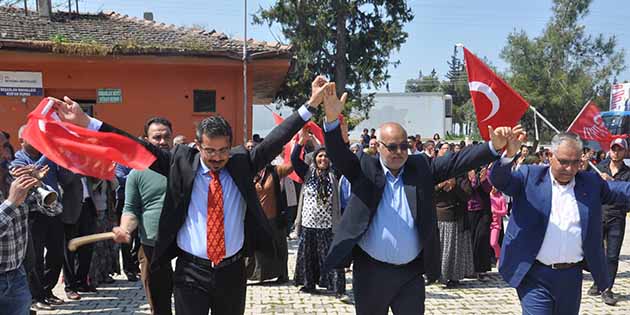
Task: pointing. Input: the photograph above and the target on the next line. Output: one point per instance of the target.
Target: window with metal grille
(205, 101)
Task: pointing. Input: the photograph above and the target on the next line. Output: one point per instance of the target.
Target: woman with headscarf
(318, 213)
(477, 187)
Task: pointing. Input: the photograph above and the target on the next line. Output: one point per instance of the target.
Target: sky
(483, 26)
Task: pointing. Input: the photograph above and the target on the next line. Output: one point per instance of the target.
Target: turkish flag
(589, 126)
(81, 150)
(317, 132)
(496, 103)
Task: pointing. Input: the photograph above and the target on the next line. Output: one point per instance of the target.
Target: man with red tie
(212, 217)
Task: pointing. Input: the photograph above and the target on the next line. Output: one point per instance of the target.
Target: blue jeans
(15, 296)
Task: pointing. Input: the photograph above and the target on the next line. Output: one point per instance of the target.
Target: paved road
(473, 297)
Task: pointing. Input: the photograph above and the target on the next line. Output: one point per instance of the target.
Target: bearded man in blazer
(389, 226)
(212, 217)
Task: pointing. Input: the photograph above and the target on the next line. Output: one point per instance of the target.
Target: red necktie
(215, 235)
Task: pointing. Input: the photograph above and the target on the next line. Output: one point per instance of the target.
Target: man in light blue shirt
(389, 227)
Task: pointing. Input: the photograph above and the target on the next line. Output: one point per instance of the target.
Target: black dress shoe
(73, 295)
(41, 306)
(86, 288)
(109, 280)
(308, 290)
(282, 280)
(53, 300)
(609, 298)
(132, 277)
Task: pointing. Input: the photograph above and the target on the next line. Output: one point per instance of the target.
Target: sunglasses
(566, 163)
(393, 147)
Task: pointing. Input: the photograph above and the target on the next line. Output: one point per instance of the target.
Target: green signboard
(109, 96)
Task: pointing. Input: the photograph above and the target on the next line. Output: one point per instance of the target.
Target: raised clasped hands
(508, 138)
(332, 104)
(318, 87)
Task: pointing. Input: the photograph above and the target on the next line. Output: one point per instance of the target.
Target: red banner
(81, 150)
(589, 126)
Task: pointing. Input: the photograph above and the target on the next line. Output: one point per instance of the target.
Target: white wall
(421, 113)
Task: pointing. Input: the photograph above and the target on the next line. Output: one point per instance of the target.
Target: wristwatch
(311, 109)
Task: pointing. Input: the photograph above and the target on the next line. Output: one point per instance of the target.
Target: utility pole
(245, 138)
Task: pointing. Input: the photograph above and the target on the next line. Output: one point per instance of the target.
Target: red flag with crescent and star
(81, 150)
(589, 126)
(496, 103)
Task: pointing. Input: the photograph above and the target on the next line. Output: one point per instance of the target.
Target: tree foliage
(428, 83)
(559, 71)
(349, 41)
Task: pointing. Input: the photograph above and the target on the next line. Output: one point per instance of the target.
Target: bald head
(393, 152)
(390, 130)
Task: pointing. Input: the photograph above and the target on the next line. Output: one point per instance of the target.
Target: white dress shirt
(563, 238)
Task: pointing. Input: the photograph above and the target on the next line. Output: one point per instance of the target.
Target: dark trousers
(480, 229)
(614, 229)
(379, 286)
(200, 288)
(129, 251)
(545, 291)
(34, 282)
(47, 233)
(158, 283)
(77, 264)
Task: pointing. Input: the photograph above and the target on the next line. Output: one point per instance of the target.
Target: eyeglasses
(566, 163)
(211, 151)
(393, 147)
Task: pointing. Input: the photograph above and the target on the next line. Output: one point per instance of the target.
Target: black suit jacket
(367, 179)
(180, 167)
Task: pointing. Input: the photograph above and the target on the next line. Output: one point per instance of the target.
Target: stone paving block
(472, 297)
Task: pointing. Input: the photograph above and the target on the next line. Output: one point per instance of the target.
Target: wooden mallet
(88, 239)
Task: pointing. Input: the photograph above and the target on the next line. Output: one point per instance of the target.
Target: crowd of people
(399, 212)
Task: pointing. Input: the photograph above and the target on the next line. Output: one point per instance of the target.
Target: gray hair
(565, 137)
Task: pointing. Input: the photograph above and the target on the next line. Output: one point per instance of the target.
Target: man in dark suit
(211, 217)
(389, 227)
(555, 228)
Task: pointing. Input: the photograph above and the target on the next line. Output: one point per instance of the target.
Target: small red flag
(81, 150)
(496, 103)
(317, 132)
(589, 126)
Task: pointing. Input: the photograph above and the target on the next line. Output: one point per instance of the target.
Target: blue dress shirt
(191, 237)
(393, 236)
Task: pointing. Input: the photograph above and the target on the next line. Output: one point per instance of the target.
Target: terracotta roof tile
(114, 33)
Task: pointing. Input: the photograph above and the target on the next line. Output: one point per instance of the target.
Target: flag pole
(536, 127)
(544, 119)
(579, 114)
(558, 131)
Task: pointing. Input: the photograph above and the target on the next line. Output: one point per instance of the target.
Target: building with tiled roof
(176, 68)
(112, 33)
